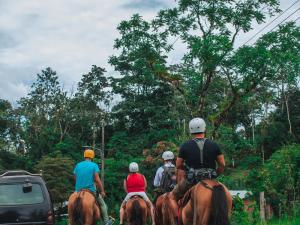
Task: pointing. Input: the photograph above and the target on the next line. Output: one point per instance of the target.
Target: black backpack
(168, 179)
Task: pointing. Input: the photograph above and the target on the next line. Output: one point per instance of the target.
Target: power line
(271, 22)
(285, 19)
(296, 19)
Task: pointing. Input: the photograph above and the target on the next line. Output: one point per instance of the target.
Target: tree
(209, 30)
(57, 172)
(5, 122)
(89, 102)
(279, 177)
(40, 112)
(146, 100)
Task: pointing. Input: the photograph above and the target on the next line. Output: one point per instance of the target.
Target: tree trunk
(262, 205)
(288, 112)
(204, 91)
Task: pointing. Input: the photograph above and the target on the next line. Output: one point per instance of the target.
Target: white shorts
(141, 194)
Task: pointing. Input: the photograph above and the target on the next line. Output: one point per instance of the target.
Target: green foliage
(241, 216)
(279, 178)
(233, 89)
(57, 172)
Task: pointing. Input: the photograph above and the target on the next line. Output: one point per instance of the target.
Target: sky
(72, 35)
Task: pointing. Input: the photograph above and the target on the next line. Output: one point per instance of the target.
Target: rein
(206, 185)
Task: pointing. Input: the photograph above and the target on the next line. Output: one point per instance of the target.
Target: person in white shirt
(168, 157)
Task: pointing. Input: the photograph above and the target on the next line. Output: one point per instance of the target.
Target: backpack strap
(200, 143)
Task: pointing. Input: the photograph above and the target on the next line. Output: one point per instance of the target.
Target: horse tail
(167, 213)
(78, 216)
(219, 213)
(136, 213)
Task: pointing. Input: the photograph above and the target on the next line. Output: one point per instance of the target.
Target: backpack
(168, 179)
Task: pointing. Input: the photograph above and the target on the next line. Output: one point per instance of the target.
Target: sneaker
(111, 220)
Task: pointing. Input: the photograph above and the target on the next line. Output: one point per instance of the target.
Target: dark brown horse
(137, 211)
(83, 208)
(210, 204)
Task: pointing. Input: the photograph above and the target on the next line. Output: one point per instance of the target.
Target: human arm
(221, 164)
(99, 184)
(157, 178)
(180, 173)
(125, 185)
(145, 182)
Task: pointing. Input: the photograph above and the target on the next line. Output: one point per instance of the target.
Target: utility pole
(102, 152)
(94, 134)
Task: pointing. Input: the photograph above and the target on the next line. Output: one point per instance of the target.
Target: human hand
(103, 194)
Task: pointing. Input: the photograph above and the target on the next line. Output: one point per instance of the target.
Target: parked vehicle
(24, 199)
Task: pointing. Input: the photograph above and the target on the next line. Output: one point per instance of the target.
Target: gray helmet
(133, 167)
(168, 155)
(197, 125)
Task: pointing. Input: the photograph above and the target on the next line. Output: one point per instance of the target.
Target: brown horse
(137, 211)
(166, 210)
(83, 208)
(210, 204)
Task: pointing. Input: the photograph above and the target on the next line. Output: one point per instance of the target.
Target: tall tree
(209, 29)
(39, 111)
(146, 101)
(89, 103)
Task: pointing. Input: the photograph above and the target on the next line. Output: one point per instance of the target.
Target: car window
(13, 194)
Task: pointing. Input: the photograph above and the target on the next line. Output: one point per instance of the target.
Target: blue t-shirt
(84, 172)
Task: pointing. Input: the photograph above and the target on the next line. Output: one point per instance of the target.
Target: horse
(83, 208)
(136, 211)
(210, 204)
(207, 203)
(166, 210)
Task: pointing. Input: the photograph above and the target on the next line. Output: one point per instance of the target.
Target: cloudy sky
(72, 35)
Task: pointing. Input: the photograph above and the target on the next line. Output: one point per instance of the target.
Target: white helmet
(197, 125)
(133, 167)
(168, 155)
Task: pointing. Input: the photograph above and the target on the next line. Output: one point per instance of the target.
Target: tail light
(50, 217)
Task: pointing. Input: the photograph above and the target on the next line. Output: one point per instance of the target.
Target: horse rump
(78, 217)
(219, 213)
(136, 213)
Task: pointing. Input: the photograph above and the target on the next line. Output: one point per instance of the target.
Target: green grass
(294, 221)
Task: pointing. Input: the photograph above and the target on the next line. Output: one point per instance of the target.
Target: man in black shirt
(198, 159)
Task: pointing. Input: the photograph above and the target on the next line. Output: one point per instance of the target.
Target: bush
(57, 172)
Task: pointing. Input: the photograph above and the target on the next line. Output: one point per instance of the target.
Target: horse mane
(78, 216)
(136, 217)
(219, 213)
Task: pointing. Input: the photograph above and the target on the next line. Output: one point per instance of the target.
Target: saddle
(137, 196)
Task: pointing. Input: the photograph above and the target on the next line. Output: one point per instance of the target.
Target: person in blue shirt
(86, 175)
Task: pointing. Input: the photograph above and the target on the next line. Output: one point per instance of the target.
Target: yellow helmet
(89, 154)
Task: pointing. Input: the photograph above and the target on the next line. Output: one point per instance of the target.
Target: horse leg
(187, 214)
(158, 210)
(203, 216)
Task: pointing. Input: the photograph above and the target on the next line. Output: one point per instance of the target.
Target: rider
(135, 184)
(86, 175)
(197, 159)
(167, 156)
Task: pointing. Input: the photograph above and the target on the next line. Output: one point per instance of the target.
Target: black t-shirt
(189, 151)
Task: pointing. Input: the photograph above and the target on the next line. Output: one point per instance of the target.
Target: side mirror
(27, 187)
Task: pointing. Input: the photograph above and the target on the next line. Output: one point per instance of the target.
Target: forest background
(248, 95)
